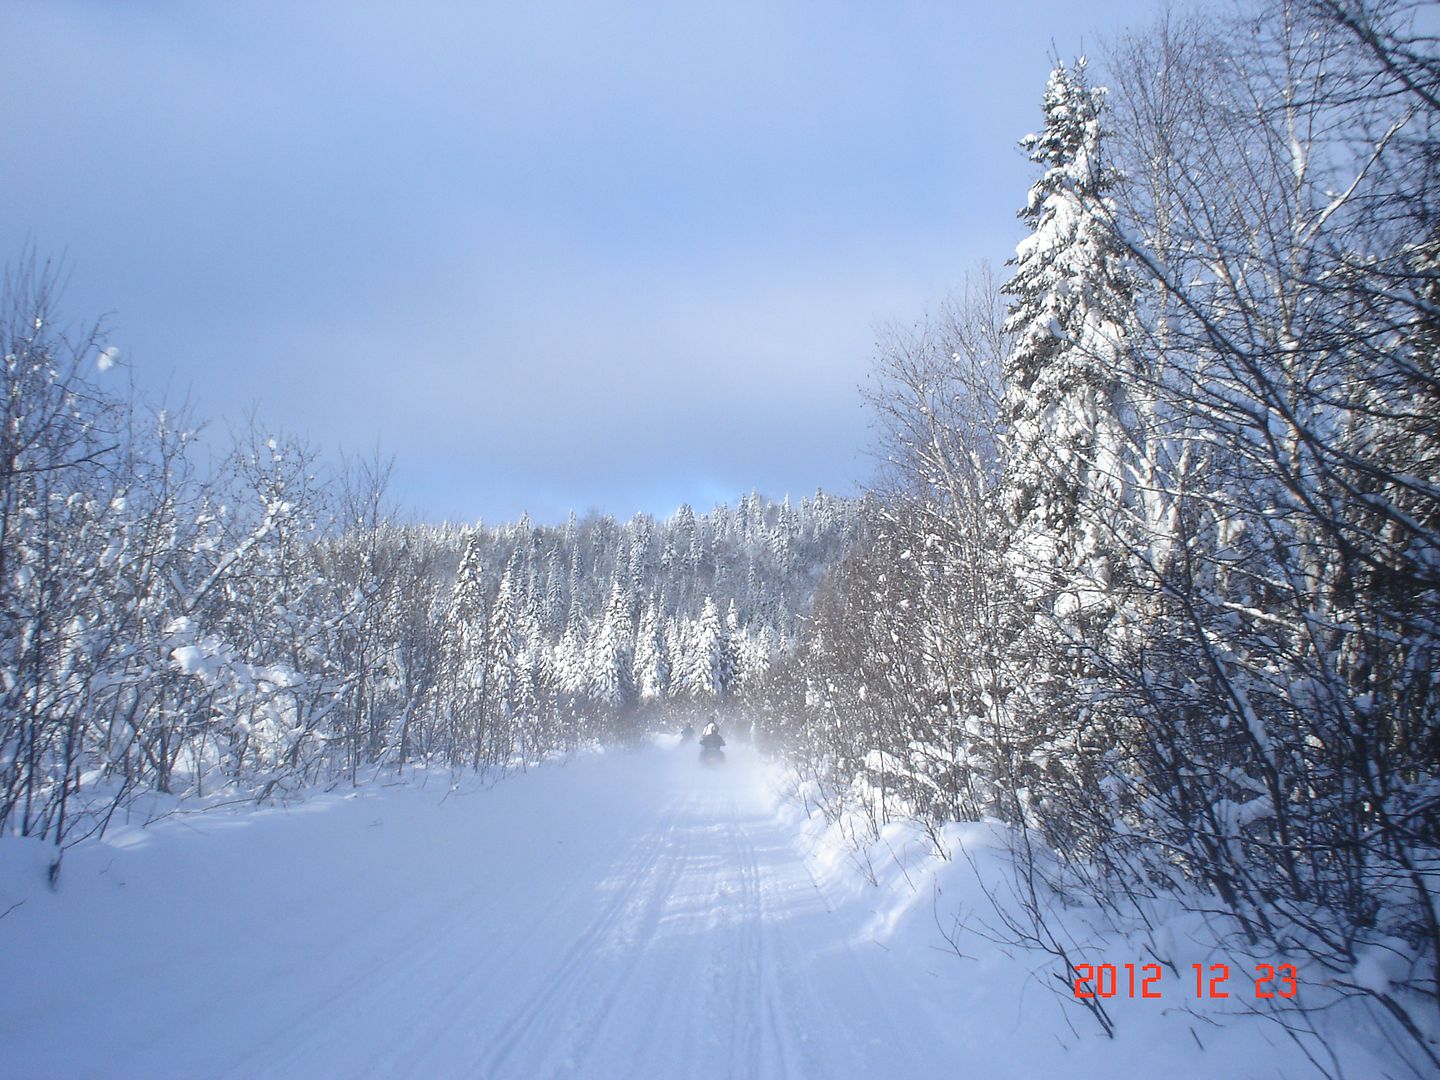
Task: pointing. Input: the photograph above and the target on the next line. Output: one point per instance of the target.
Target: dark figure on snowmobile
(687, 733)
(710, 744)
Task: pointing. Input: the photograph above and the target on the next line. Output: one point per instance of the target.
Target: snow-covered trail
(626, 915)
(668, 928)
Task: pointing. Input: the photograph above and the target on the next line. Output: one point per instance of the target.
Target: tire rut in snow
(748, 957)
(688, 938)
(370, 983)
(561, 1017)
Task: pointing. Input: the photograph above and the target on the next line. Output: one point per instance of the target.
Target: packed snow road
(623, 915)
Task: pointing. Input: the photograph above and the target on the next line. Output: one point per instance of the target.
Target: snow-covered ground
(623, 914)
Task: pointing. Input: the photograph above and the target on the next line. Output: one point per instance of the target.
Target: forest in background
(264, 623)
(1152, 575)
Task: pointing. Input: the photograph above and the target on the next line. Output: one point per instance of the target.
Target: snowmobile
(710, 744)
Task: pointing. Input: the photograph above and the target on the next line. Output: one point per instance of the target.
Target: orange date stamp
(1212, 981)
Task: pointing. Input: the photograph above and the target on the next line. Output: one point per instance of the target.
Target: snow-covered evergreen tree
(652, 658)
(502, 660)
(708, 665)
(608, 659)
(553, 612)
(1067, 408)
(569, 658)
(730, 675)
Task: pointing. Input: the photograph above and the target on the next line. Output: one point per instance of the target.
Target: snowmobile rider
(687, 733)
(712, 738)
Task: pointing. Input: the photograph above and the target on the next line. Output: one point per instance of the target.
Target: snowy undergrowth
(949, 902)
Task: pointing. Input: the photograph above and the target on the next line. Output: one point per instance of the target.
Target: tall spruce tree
(1068, 409)
(608, 658)
(652, 657)
(1069, 421)
(709, 668)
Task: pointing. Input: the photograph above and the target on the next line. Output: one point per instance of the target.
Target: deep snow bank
(931, 901)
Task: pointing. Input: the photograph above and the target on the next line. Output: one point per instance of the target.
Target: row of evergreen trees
(544, 628)
(1155, 575)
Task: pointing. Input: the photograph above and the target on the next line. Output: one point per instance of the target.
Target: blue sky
(549, 256)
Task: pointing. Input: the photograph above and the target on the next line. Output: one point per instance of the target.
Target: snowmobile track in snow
(664, 928)
(620, 915)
